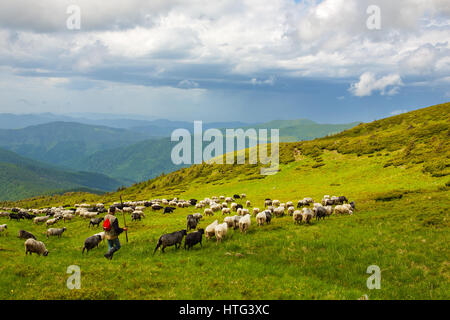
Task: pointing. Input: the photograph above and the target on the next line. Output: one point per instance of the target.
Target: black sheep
(193, 238)
(95, 221)
(91, 242)
(239, 206)
(170, 239)
(191, 222)
(343, 199)
(26, 235)
(168, 209)
(236, 196)
(268, 216)
(15, 216)
(321, 212)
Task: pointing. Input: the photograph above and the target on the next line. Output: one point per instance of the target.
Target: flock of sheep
(305, 211)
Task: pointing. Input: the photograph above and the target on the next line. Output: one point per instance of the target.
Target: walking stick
(124, 222)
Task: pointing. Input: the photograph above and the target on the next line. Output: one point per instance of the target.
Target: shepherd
(112, 232)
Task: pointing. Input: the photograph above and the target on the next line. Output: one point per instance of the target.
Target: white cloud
(368, 83)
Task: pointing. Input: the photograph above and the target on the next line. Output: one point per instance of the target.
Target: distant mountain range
(136, 153)
(22, 178)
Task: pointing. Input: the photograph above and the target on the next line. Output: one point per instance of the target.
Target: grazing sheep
(3, 227)
(193, 238)
(26, 235)
(34, 246)
(297, 216)
(261, 218)
(236, 220)
(191, 222)
(279, 212)
(169, 209)
(244, 223)
(101, 234)
(207, 212)
(210, 230)
(95, 221)
(343, 209)
(267, 203)
(255, 211)
(243, 195)
(239, 211)
(228, 199)
(289, 204)
(291, 211)
(170, 239)
(229, 221)
(226, 211)
(221, 231)
(307, 215)
(198, 216)
(91, 242)
(352, 204)
(276, 203)
(268, 216)
(342, 199)
(236, 196)
(51, 221)
(248, 204)
(67, 216)
(56, 232)
(244, 212)
(234, 206)
(14, 216)
(321, 212)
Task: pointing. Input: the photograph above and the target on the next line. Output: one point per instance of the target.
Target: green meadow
(395, 169)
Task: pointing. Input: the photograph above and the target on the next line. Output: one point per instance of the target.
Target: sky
(331, 61)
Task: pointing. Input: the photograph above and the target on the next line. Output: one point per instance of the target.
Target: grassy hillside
(401, 224)
(303, 129)
(148, 159)
(22, 178)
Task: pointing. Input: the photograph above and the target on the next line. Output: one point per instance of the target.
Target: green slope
(22, 178)
(401, 224)
(148, 159)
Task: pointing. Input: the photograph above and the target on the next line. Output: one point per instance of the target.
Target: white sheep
(307, 215)
(243, 195)
(343, 209)
(3, 227)
(67, 216)
(247, 203)
(221, 231)
(276, 203)
(255, 211)
(210, 230)
(50, 222)
(226, 211)
(244, 223)
(208, 212)
(55, 232)
(297, 216)
(291, 211)
(233, 206)
(289, 204)
(34, 246)
(40, 219)
(230, 221)
(261, 218)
